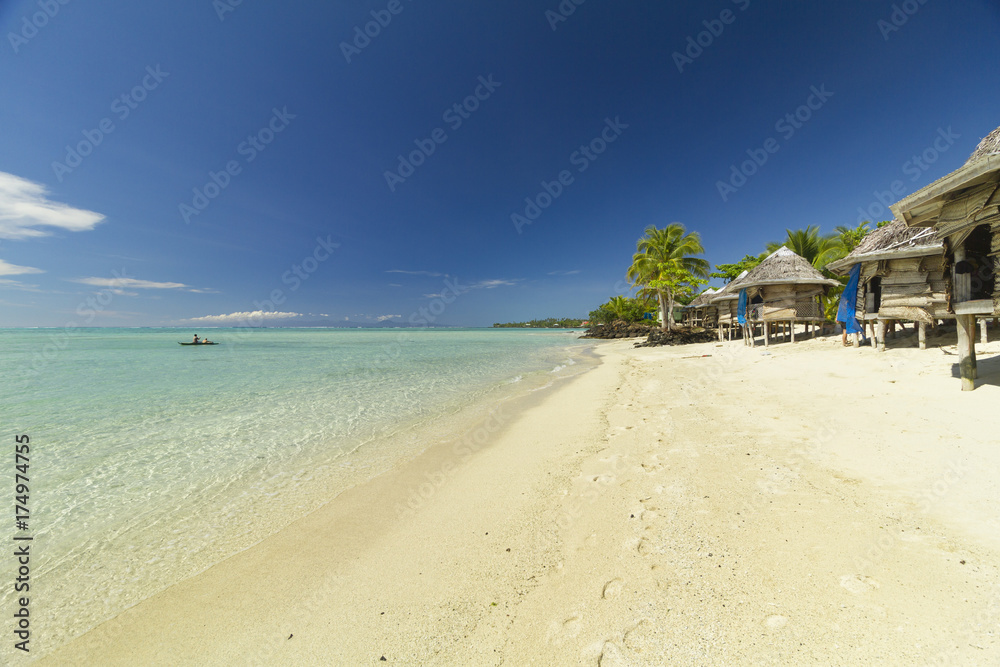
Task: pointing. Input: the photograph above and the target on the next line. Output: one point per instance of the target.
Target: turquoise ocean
(151, 461)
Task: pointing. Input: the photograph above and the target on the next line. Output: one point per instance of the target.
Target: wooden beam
(881, 335)
(922, 335)
(965, 359)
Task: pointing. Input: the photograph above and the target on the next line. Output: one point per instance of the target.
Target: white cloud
(432, 274)
(7, 269)
(490, 284)
(25, 206)
(383, 318)
(253, 318)
(564, 273)
(134, 283)
(14, 284)
(118, 285)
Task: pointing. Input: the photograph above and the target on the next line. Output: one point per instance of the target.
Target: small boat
(211, 343)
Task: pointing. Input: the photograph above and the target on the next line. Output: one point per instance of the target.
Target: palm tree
(660, 252)
(815, 249)
(619, 305)
(851, 237)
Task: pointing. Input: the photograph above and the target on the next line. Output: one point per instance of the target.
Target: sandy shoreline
(813, 504)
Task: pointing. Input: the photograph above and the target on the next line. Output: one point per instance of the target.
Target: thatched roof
(701, 299)
(990, 145)
(922, 208)
(784, 267)
(731, 290)
(892, 240)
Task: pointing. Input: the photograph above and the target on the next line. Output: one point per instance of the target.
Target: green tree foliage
(622, 308)
(680, 285)
(730, 272)
(817, 249)
(660, 254)
(850, 237)
(548, 323)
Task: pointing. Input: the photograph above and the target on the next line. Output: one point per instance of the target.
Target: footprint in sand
(612, 588)
(858, 584)
(611, 656)
(660, 575)
(650, 504)
(569, 627)
(645, 547)
(634, 630)
(651, 467)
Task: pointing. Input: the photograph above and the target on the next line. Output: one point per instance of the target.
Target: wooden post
(962, 282)
(972, 347)
(881, 335)
(983, 333)
(965, 359)
(791, 328)
(922, 335)
(767, 331)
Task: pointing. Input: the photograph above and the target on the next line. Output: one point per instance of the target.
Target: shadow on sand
(988, 370)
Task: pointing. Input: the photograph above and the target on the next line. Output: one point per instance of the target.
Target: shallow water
(151, 461)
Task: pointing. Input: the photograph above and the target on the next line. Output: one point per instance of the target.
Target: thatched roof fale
(702, 299)
(922, 208)
(731, 290)
(990, 145)
(784, 267)
(891, 241)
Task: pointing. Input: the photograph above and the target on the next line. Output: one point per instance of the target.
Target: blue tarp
(847, 310)
(741, 310)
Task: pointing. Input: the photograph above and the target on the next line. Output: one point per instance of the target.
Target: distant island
(550, 323)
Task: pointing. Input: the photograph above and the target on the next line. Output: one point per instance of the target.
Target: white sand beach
(706, 504)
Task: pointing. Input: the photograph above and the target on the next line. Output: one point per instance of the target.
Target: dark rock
(679, 336)
(618, 329)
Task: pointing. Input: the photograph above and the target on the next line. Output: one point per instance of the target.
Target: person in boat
(196, 341)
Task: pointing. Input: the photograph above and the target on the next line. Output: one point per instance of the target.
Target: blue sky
(173, 164)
